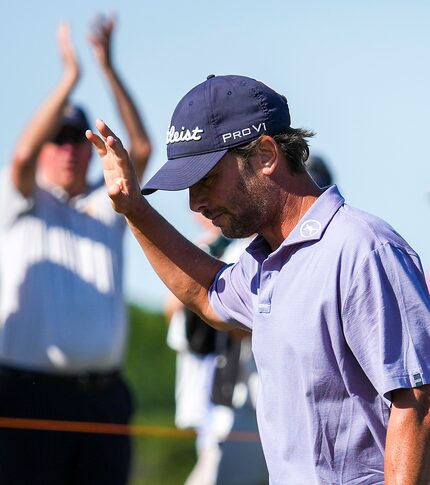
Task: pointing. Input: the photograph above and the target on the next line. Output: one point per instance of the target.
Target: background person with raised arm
(63, 320)
(336, 300)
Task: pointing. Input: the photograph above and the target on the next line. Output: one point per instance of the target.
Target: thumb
(114, 190)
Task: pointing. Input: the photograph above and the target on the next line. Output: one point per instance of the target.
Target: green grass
(150, 371)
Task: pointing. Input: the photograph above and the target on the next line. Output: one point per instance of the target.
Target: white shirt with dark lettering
(61, 262)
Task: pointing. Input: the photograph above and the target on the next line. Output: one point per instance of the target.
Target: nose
(67, 147)
(197, 198)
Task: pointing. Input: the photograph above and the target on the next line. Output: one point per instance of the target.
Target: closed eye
(208, 180)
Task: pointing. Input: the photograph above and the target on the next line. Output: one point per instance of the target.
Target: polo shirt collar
(311, 226)
(61, 194)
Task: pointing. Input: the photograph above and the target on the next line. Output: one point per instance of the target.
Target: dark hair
(293, 143)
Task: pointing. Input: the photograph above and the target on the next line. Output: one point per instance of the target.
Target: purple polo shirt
(340, 316)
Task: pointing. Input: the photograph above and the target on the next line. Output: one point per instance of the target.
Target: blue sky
(356, 73)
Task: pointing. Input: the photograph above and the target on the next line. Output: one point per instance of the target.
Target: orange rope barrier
(112, 428)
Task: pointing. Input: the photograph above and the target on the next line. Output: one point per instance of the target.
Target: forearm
(140, 146)
(407, 452)
(184, 268)
(40, 129)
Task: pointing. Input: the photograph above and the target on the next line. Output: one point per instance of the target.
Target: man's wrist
(138, 210)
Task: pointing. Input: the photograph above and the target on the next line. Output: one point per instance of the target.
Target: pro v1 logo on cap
(244, 132)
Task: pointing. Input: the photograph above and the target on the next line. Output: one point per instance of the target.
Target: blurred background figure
(319, 170)
(216, 385)
(196, 346)
(63, 321)
(428, 269)
(242, 461)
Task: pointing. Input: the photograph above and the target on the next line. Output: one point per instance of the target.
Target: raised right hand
(120, 176)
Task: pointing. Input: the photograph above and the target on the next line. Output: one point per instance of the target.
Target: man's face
(236, 197)
(64, 161)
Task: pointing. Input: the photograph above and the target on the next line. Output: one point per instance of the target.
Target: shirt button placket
(266, 290)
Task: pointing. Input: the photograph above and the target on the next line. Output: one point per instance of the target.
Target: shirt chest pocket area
(289, 312)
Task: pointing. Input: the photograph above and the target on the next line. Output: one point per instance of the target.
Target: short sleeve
(12, 202)
(386, 319)
(98, 204)
(230, 295)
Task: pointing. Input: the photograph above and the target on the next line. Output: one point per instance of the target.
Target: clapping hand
(100, 38)
(67, 51)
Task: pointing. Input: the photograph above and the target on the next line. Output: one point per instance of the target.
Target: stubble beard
(252, 207)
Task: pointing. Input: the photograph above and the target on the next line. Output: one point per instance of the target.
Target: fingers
(102, 28)
(111, 23)
(97, 142)
(109, 140)
(119, 174)
(64, 32)
(67, 49)
(114, 190)
(104, 128)
(65, 37)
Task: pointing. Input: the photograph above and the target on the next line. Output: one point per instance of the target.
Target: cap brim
(181, 173)
(73, 126)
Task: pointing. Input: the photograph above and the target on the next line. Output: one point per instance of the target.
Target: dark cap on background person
(319, 171)
(221, 113)
(75, 117)
(72, 126)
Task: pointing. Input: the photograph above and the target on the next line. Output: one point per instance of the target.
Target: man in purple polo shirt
(335, 298)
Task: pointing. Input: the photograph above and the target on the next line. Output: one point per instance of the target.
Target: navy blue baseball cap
(221, 113)
(74, 116)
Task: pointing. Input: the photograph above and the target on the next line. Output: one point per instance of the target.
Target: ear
(268, 155)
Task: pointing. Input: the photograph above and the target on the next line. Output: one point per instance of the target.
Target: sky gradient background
(357, 74)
